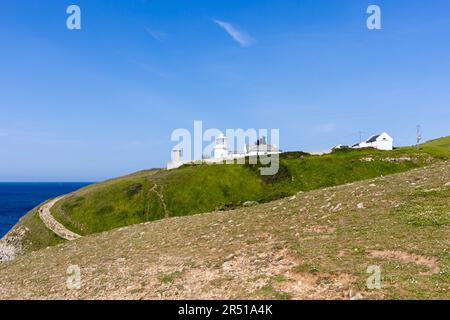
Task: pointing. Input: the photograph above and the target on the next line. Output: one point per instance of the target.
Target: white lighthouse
(221, 147)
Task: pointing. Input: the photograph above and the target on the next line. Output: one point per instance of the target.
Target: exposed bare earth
(52, 224)
(316, 245)
(405, 257)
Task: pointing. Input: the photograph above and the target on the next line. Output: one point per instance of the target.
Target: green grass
(37, 236)
(286, 249)
(118, 204)
(429, 208)
(437, 147)
(155, 194)
(306, 267)
(270, 292)
(194, 189)
(169, 278)
(279, 278)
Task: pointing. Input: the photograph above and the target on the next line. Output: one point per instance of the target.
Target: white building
(221, 147)
(222, 153)
(381, 141)
(261, 148)
(176, 160)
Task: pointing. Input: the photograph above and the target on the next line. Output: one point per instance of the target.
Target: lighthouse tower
(221, 147)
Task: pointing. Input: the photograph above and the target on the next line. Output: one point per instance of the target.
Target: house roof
(262, 148)
(373, 138)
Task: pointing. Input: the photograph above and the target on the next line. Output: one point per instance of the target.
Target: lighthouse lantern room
(221, 147)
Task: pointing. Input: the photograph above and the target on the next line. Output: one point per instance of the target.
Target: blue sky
(103, 101)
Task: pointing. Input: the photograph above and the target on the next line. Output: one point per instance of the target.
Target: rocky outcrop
(11, 244)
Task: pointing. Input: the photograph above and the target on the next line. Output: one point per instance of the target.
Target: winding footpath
(161, 199)
(52, 224)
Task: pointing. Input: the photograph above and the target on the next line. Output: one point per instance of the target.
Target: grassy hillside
(202, 188)
(155, 194)
(318, 244)
(438, 147)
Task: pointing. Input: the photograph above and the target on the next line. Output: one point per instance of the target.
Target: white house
(381, 141)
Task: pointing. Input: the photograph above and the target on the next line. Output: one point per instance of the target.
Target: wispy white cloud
(239, 36)
(156, 34)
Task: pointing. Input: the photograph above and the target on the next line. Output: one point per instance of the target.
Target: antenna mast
(418, 135)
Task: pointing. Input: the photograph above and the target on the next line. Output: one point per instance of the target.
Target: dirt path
(161, 199)
(52, 224)
(282, 249)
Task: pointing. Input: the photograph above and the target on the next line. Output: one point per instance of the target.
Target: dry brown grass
(317, 245)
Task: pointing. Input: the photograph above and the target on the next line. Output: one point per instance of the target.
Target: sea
(16, 199)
